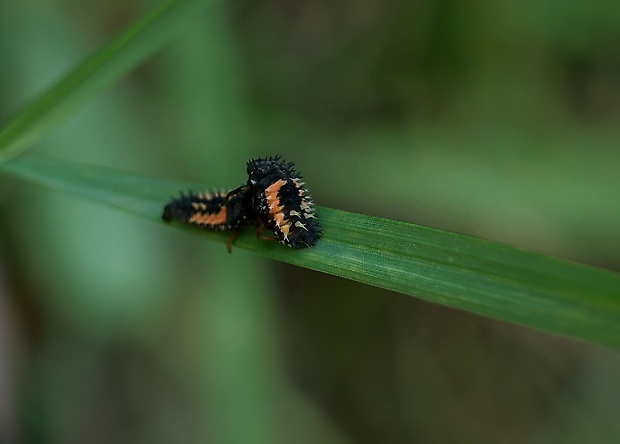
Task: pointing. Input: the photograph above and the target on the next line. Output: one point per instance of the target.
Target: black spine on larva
(295, 225)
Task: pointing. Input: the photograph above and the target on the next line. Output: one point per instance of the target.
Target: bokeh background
(495, 119)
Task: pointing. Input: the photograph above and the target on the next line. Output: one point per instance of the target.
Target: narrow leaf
(483, 277)
(132, 46)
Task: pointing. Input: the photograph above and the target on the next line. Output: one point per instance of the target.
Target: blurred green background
(498, 120)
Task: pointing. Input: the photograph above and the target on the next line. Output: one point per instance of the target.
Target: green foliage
(447, 268)
(121, 54)
(469, 117)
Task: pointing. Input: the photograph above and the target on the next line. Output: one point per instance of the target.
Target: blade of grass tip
(479, 276)
(122, 53)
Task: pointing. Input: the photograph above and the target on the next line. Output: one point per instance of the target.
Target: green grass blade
(483, 277)
(132, 46)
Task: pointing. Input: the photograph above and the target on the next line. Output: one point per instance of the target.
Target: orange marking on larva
(285, 229)
(271, 192)
(279, 218)
(199, 206)
(209, 219)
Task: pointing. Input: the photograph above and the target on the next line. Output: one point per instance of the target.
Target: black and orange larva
(217, 211)
(282, 203)
(273, 197)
